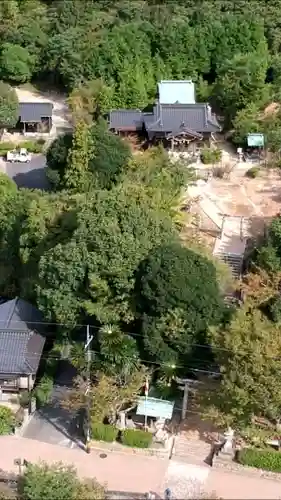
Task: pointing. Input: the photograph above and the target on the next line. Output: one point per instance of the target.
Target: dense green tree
(57, 156)
(16, 63)
(76, 175)
(118, 351)
(94, 269)
(248, 353)
(111, 155)
(178, 298)
(90, 100)
(241, 80)
(9, 106)
(93, 157)
(57, 481)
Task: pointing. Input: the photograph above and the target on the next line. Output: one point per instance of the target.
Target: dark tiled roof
(20, 352)
(126, 119)
(17, 314)
(172, 117)
(167, 118)
(34, 111)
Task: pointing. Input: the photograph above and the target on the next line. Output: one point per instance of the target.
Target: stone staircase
(195, 449)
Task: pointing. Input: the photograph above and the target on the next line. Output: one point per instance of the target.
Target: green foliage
(118, 352)
(9, 106)
(210, 155)
(241, 81)
(178, 298)
(56, 156)
(103, 432)
(111, 155)
(275, 309)
(261, 459)
(7, 420)
(256, 437)
(104, 158)
(268, 258)
(136, 438)
(247, 351)
(76, 175)
(57, 481)
(31, 146)
(43, 390)
(253, 172)
(7, 186)
(16, 63)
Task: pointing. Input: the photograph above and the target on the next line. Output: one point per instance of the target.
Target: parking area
(29, 175)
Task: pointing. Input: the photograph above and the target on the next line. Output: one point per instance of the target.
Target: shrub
(24, 399)
(43, 390)
(103, 432)
(136, 438)
(5, 147)
(210, 155)
(31, 146)
(253, 172)
(7, 420)
(261, 459)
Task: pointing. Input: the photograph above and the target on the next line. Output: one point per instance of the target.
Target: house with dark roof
(35, 116)
(22, 339)
(175, 118)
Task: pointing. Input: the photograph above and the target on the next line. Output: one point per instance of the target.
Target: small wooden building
(35, 117)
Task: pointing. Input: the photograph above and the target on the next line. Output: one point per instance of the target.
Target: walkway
(120, 472)
(187, 478)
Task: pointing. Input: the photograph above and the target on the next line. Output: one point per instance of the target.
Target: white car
(21, 156)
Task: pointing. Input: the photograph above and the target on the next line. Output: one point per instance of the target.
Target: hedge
(136, 438)
(261, 459)
(103, 432)
(7, 420)
(35, 146)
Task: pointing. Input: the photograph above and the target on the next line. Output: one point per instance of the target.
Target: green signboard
(153, 407)
(255, 140)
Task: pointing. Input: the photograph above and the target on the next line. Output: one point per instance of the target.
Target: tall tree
(76, 175)
(178, 298)
(9, 106)
(248, 352)
(16, 63)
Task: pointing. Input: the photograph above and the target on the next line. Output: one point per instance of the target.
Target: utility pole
(88, 392)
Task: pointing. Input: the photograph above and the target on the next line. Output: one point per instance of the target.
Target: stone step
(185, 447)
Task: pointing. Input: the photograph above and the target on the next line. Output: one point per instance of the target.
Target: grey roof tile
(126, 119)
(171, 117)
(17, 314)
(20, 352)
(34, 111)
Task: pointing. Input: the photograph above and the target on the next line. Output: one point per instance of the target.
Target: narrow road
(29, 175)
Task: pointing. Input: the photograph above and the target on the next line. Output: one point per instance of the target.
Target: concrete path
(127, 472)
(118, 471)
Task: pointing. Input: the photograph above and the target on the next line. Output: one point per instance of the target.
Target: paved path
(52, 423)
(123, 472)
(230, 485)
(30, 175)
(119, 471)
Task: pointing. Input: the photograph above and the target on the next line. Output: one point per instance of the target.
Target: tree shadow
(34, 179)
